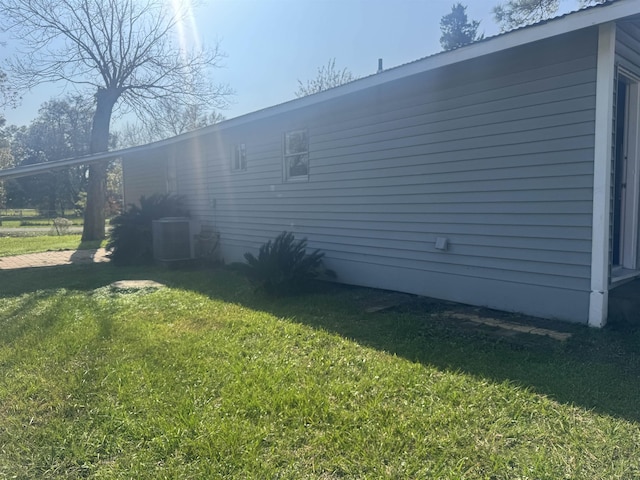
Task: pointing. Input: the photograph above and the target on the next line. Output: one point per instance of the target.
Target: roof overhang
(36, 168)
(588, 17)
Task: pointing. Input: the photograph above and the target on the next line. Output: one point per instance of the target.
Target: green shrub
(283, 266)
(130, 240)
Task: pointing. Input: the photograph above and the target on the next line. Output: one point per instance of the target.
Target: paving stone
(516, 327)
(51, 259)
(136, 284)
(508, 328)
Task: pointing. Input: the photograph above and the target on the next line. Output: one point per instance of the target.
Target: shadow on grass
(80, 276)
(596, 370)
(18, 322)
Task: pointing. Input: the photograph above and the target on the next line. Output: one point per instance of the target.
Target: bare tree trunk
(94, 217)
(94, 210)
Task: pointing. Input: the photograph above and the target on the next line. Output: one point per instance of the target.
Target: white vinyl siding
(144, 176)
(495, 154)
(628, 46)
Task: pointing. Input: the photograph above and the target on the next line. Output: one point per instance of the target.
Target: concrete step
(624, 303)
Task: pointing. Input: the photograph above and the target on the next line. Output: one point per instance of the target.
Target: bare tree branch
(328, 77)
(123, 50)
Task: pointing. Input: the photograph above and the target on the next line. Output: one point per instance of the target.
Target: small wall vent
(171, 239)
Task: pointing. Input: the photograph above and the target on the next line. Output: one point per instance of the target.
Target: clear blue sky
(270, 44)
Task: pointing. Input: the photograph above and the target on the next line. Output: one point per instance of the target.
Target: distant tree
(3, 81)
(177, 119)
(123, 51)
(328, 77)
(8, 97)
(516, 13)
(457, 30)
(115, 189)
(6, 161)
(170, 120)
(61, 130)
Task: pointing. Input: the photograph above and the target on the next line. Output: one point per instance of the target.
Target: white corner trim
(598, 303)
(598, 300)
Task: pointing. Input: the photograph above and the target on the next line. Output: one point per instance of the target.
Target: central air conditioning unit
(171, 240)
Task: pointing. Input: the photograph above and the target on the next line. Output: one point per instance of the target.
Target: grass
(40, 222)
(42, 243)
(205, 379)
(15, 223)
(30, 218)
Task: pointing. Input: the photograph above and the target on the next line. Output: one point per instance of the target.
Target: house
(503, 174)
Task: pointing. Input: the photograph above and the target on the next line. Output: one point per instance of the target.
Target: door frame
(630, 202)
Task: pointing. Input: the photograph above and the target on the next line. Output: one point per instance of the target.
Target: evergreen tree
(457, 30)
(517, 13)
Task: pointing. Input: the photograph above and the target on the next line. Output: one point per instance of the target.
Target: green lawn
(205, 379)
(42, 243)
(31, 218)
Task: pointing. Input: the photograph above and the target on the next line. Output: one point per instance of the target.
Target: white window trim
(234, 151)
(285, 156)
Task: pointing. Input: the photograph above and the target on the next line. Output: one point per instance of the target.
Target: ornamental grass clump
(284, 267)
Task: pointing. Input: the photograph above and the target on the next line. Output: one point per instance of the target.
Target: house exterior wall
(628, 46)
(144, 175)
(494, 154)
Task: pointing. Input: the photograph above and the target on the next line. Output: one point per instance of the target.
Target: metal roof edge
(587, 17)
(35, 168)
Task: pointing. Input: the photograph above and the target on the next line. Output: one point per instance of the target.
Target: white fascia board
(598, 301)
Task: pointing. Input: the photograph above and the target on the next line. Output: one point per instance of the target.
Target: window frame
(286, 156)
(242, 165)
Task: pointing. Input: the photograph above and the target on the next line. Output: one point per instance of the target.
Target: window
(296, 155)
(239, 158)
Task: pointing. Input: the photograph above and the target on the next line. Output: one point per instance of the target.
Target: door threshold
(620, 275)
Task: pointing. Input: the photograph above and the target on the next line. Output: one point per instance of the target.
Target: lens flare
(187, 27)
